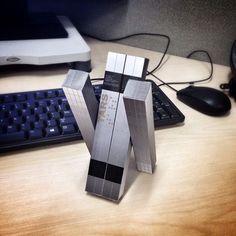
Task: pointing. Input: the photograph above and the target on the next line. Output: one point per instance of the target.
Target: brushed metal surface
(111, 144)
(94, 185)
(120, 145)
(134, 66)
(111, 190)
(112, 138)
(105, 123)
(138, 105)
(111, 147)
(83, 103)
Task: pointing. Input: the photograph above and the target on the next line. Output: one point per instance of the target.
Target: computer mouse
(207, 100)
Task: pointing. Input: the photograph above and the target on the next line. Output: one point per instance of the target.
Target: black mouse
(206, 100)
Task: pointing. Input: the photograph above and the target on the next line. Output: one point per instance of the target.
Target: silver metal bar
(101, 180)
(117, 168)
(111, 148)
(83, 103)
(138, 106)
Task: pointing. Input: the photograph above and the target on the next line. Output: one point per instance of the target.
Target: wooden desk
(192, 192)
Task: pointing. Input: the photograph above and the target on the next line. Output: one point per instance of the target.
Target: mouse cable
(96, 79)
(209, 78)
(163, 83)
(138, 34)
(161, 60)
(183, 82)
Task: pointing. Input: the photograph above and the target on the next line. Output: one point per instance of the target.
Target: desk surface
(192, 192)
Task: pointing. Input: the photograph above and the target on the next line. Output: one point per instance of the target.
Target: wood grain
(192, 191)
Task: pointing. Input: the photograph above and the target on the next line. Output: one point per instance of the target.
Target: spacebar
(12, 137)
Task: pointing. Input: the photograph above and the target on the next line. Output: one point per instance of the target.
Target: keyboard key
(97, 88)
(60, 93)
(55, 115)
(64, 100)
(20, 97)
(12, 128)
(51, 123)
(25, 127)
(51, 94)
(39, 124)
(53, 102)
(17, 120)
(12, 137)
(35, 134)
(3, 114)
(68, 129)
(5, 107)
(51, 108)
(67, 113)
(4, 122)
(26, 112)
(52, 131)
(8, 98)
(42, 103)
(156, 117)
(171, 111)
(164, 116)
(39, 95)
(18, 106)
(64, 107)
(13, 113)
(43, 116)
(30, 119)
(38, 110)
(30, 105)
(67, 121)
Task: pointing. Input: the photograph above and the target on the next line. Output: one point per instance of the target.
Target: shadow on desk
(31, 70)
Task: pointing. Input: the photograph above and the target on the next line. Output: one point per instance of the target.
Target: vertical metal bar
(82, 100)
(138, 106)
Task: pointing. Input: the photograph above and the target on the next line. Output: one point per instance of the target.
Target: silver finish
(111, 190)
(111, 146)
(138, 105)
(112, 138)
(115, 62)
(134, 66)
(94, 185)
(84, 105)
(105, 125)
(119, 151)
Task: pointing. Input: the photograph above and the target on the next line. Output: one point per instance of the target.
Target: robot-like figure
(124, 111)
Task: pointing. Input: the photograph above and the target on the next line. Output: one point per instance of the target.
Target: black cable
(195, 81)
(182, 82)
(187, 82)
(137, 34)
(96, 79)
(161, 60)
(211, 63)
(163, 83)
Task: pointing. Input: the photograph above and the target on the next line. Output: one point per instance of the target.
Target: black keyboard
(35, 118)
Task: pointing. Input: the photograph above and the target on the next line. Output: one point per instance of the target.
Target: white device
(72, 49)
